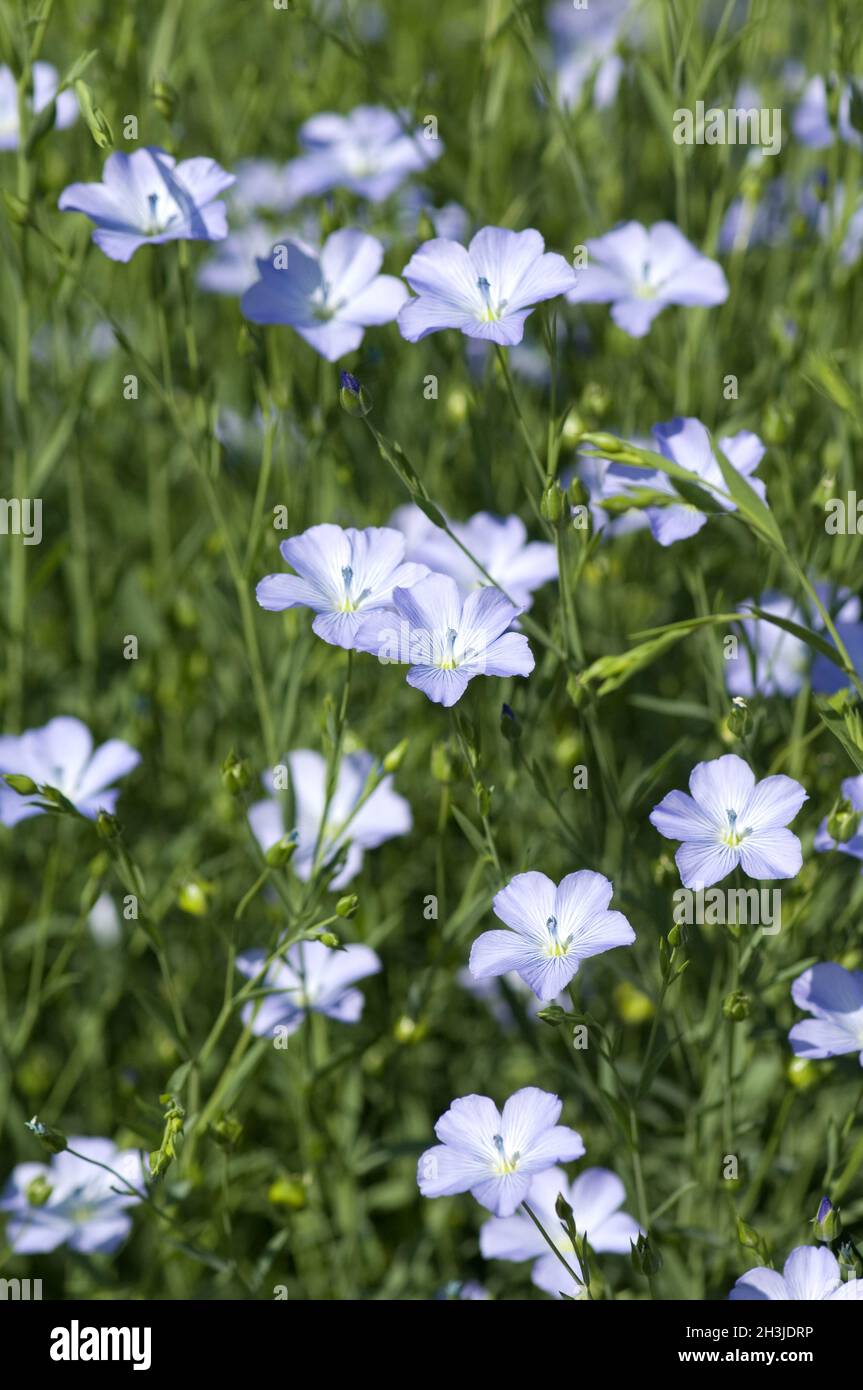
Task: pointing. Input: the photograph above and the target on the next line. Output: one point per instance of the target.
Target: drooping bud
(54, 1141)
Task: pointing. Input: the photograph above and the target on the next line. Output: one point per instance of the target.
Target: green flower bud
(38, 1191)
(24, 786)
(552, 505)
(441, 763)
(736, 1006)
(553, 1014)
(329, 938)
(843, 822)
(288, 1192)
(510, 725)
(107, 826)
(408, 1031)
(278, 855)
(54, 1141)
(347, 906)
(227, 1131)
(457, 406)
(164, 97)
(192, 898)
(595, 400)
(235, 774)
(645, 1259)
(95, 120)
(394, 759)
(738, 719)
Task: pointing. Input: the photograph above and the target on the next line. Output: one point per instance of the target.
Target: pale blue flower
(60, 755)
(370, 152)
(312, 978)
(811, 123)
(834, 997)
(852, 791)
(329, 297)
(640, 270)
(45, 83)
(552, 929)
(445, 642)
(729, 820)
(343, 576)
(486, 290)
(495, 1155)
(86, 1208)
(147, 198)
(499, 543)
(595, 1196)
(811, 1274)
(382, 816)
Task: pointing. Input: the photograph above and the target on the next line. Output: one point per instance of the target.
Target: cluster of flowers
(443, 602)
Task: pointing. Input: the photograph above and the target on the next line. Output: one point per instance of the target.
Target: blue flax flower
(596, 1197)
(343, 576)
(834, 997)
(146, 198)
(86, 1207)
(444, 642)
(811, 1275)
(639, 271)
(730, 820)
(495, 1156)
(370, 152)
(60, 755)
(553, 928)
(312, 978)
(329, 296)
(486, 290)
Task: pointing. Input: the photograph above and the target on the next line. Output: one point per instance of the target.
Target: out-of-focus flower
(329, 297)
(499, 543)
(147, 198)
(60, 755)
(370, 152)
(86, 1207)
(45, 83)
(834, 996)
(639, 271)
(811, 1274)
(312, 978)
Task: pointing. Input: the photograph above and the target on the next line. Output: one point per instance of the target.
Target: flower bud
(192, 898)
(227, 1131)
(736, 1006)
(828, 1225)
(552, 1014)
(278, 855)
(777, 423)
(457, 405)
(164, 97)
(552, 504)
(632, 1005)
(595, 400)
(738, 719)
(441, 763)
(347, 906)
(54, 1141)
(353, 397)
(843, 822)
(510, 725)
(645, 1259)
(38, 1191)
(24, 786)
(329, 938)
(409, 1031)
(394, 759)
(107, 826)
(288, 1192)
(235, 774)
